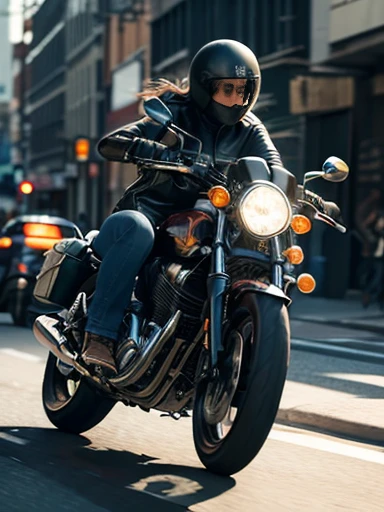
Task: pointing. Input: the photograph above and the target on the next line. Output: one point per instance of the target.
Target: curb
(330, 424)
(341, 323)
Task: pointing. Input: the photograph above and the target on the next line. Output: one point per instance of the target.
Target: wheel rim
(59, 389)
(215, 433)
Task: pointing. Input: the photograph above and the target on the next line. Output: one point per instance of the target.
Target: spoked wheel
(234, 411)
(71, 403)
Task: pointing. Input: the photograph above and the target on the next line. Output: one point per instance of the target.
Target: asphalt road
(139, 461)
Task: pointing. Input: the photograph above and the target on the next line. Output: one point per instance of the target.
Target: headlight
(265, 210)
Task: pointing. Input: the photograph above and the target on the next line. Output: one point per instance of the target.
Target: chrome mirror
(158, 111)
(335, 169)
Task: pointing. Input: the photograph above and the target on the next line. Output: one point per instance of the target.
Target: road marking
(303, 344)
(325, 445)
(21, 355)
(13, 439)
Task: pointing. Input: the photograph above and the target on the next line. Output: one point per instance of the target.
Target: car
(23, 242)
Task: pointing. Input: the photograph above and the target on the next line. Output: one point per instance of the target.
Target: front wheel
(234, 412)
(71, 403)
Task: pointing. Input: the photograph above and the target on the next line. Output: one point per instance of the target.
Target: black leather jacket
(158, 194)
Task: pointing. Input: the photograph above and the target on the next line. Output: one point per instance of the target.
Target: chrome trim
(146, 356)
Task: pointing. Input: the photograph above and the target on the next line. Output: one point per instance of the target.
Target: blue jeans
(125, 240)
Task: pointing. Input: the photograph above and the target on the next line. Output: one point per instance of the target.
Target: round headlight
(265, 210)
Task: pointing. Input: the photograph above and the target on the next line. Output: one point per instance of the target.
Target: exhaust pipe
(145, 357)
(46, 331)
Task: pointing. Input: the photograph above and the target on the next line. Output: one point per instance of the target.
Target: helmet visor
(234, 91)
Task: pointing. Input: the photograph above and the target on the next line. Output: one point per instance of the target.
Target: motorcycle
(207, 330)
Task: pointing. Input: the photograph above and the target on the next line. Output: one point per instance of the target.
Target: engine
(180, 286)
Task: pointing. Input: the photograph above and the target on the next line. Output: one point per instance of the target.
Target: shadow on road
(111, 478)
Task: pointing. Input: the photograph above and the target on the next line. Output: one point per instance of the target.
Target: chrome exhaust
(147, 354)
(45, 330)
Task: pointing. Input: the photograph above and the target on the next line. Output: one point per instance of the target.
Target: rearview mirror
(335, 169)
(158, 111)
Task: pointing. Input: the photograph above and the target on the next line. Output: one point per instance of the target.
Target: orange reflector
(22, 267)
(5, 242)
(301, 224)
(219, 196)
(43, 230)
(294, 255)
(306, 283)
(43, 244)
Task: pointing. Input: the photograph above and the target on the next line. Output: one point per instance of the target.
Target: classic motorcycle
(207, 329)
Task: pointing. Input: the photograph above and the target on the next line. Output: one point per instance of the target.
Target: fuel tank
(187, 234)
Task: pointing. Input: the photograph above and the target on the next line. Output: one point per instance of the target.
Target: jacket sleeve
(262, 146)
(134, 142)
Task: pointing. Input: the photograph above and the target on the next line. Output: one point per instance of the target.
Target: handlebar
(322, 210)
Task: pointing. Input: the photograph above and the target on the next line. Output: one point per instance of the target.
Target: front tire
(229, 445)
(70, 402)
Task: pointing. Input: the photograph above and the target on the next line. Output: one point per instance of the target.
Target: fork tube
(217, 285)
(277, 262)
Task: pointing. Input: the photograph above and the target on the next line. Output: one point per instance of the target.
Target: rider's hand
(207, 176)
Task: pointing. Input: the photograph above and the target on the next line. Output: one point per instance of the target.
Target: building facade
(6, 182)
(127, 66)
(44, 109)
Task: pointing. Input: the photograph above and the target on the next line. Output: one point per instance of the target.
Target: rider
(224, 84)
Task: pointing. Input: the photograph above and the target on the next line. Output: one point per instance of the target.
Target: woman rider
(224, 84)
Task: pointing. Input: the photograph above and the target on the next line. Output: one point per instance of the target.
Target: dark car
(23, 242)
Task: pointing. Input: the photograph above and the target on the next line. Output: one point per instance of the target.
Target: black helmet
(217, 60)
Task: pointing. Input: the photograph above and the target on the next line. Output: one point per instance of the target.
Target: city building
(126, 65)
(6, 181)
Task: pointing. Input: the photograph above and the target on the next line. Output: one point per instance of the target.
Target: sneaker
(99, 351)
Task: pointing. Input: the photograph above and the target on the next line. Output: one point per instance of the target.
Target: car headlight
(264, 210)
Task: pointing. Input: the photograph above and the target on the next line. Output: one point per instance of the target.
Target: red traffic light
(26, 187)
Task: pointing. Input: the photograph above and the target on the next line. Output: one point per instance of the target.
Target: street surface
(139, 461)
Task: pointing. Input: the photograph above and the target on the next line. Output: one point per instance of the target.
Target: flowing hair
(159, 86)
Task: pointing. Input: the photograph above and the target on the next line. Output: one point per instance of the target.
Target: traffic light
(82, 149)
(26, 187)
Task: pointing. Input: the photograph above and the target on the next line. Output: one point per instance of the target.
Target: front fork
(218, 281)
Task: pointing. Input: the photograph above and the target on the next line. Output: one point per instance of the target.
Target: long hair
(159, 86)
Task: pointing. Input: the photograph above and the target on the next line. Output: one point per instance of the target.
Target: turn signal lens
(43, 230)
(301, 224)
(5, 242)
(294, 255)
(219, 196)
(306, 283)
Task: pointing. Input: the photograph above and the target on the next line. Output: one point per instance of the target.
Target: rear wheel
(71, 403)
(234, 412)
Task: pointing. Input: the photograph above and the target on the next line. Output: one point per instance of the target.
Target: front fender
(261, 285)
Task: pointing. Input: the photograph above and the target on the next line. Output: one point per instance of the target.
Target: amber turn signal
(301, 224)
(294, 255)
(306, 283)
(5, 242)
(219, 196)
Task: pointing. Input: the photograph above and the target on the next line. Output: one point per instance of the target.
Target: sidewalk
(322, 404)
(347, 312)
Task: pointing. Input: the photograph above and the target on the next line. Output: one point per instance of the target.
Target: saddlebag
(66, 267)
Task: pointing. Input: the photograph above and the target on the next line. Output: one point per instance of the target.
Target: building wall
(350, 18)
(127, 67)
(5, 56)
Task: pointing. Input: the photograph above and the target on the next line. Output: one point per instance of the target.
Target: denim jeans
(125, 240)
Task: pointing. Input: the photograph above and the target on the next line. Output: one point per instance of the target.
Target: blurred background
(70, 71)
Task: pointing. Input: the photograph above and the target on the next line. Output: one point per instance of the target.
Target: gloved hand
(207, 176)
